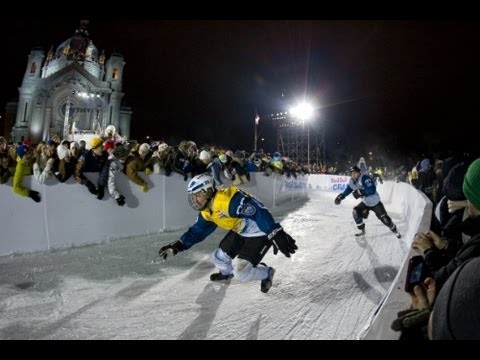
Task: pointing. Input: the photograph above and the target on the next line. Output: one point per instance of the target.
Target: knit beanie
(204, 156)
(471, 184)
(144, 148)
(96, 142)
(62, 152)
(162, 147)
(120, 152)
(22, 150)
(425, 165)
(456, 314)
(110, 129)
(222, 158)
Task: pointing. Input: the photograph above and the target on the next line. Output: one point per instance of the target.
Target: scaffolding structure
(298, 140)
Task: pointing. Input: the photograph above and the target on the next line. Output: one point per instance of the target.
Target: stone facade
(72, 89)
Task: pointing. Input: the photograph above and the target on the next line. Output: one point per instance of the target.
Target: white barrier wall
(334, 183)
(416, 209)
(69, 215)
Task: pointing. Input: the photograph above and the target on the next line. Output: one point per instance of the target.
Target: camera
(416, 274)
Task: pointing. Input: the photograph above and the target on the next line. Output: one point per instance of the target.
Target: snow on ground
(122, 290)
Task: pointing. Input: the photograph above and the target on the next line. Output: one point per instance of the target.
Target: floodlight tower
(296, 139)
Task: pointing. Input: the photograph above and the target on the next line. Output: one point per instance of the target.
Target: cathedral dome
(79, 47)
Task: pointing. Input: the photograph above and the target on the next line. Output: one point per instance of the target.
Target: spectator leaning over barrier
(239, 169)
(136, 162)
(65, 166)
(162, 159)
(5, 170)
(25, 159)
(183, 157)
(116, 162)
(93, 160)
(215, 169)
(42, 168)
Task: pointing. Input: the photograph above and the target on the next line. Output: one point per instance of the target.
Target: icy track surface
(122, 290)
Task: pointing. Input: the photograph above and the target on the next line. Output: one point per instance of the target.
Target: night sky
(392, 86)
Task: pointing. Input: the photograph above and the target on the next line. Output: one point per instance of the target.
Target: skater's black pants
(361, 212)
(252, 249)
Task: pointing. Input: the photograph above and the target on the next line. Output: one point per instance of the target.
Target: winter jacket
(367, 185)
(469, 250)
(24, 168)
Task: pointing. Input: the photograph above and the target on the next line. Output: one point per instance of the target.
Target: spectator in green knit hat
(471, 184)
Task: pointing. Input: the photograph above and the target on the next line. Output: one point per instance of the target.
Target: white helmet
(204, 156)
(110, 129)
(200, 190)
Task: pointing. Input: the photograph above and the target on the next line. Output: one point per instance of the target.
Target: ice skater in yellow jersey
(252, 231)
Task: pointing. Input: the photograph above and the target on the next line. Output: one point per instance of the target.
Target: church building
(73, 90)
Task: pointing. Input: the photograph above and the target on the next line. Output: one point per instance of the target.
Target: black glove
(170, 249)
(91, 187)
(34, 195)
(339, 199)
(121, 200)
(283, 242)
(358, 193)
(101, 192)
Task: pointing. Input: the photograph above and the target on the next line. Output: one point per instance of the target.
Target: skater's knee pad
(386, 220)
(220, 257)
(357, 216)
(365, 213)
(242, 269)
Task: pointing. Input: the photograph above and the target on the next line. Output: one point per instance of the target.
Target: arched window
(33, 68)
(115, 74)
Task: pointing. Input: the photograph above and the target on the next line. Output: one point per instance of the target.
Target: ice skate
(220, 277)
(395, 231)
(361, 233)
(266, 283)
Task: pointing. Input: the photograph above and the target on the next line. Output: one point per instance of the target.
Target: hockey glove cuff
(358, 193)
(283, 242)
(339, 199)
(171, 249)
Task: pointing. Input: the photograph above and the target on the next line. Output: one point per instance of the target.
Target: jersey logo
(222, 214)
(248, 210)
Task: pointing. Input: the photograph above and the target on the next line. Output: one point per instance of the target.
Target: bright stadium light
(303, 111)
